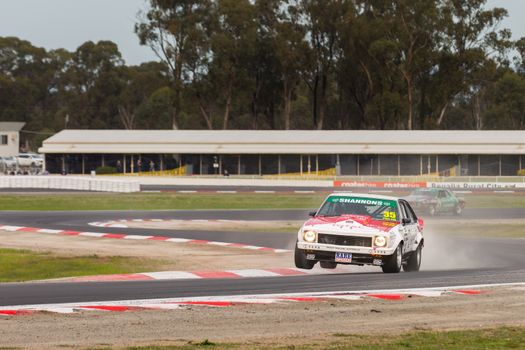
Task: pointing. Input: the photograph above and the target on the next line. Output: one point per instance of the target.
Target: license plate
(343, 257)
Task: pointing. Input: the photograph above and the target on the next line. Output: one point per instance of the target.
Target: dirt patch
(215, 225)
(284, 324)
(178, 256)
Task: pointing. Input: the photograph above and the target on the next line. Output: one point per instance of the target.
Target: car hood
(419, 199)
(345, 223)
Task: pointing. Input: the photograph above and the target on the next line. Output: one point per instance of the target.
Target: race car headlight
(310, 236)
(380, 241)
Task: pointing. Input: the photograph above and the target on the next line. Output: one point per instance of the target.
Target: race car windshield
(378, 209)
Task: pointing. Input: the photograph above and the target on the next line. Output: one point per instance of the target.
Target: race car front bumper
(319, 247)
(353, 255)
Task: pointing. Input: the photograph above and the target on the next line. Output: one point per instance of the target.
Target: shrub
(521, 172)
(104, 170)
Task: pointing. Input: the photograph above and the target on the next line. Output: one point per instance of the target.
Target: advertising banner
(380, 184)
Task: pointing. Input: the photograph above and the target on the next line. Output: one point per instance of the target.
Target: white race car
(361, 229)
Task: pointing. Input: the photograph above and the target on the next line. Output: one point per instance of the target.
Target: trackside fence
(69, 183)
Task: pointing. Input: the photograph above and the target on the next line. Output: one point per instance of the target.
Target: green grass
(25, 265)
(161, 201)
(156, 201)
(498, 338)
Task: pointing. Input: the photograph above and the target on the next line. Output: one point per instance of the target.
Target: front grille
(355, 241)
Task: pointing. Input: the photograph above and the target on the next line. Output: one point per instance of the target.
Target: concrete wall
(69, 183)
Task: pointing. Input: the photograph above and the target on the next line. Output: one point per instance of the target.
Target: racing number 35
(390, 215)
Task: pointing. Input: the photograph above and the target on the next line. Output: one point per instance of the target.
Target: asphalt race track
(507, 254)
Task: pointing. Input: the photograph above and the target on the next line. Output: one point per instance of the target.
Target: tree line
(280, 64)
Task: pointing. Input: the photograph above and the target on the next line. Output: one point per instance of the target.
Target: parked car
(435, 201)
(8, 164)
(361, 230)
(30, 160)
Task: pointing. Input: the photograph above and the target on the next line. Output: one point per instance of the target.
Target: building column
(317, 164)
(420, 165)
(378, 165)
(200, 164)
(301, 164)
(132, 163)
(398, 165)
(499, 165)
(358, 167)
(278, 164)
(239, 164)
(520, 162)
(260, 165)
(83, 164)
(479, 165)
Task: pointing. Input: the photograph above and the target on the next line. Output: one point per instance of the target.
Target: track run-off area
(481, 261)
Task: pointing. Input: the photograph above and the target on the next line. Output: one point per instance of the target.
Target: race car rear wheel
(328, 265)
(414, 262)
(393, 262)
(300, 260)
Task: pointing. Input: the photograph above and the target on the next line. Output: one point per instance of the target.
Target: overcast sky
(69, 23)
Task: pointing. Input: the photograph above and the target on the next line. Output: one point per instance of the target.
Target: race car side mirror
(312, 213)
(406, 221)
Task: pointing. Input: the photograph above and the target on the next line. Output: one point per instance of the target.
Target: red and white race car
(361, 229)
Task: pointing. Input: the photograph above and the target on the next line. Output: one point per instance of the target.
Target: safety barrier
(69, 183)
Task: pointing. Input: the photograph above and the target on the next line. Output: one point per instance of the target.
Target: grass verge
(24, 265)
(163, 201)
(498, 338)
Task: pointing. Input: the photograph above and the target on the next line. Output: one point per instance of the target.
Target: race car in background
(361, 230)
(436, 200)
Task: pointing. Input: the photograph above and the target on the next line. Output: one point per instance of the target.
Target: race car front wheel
(300, 260)
(414, 262)
(393, 262)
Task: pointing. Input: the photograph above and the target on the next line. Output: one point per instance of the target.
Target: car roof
(363, 195)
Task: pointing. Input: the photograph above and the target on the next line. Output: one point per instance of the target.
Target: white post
(239, 164)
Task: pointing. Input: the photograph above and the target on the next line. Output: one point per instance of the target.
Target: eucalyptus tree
(176, 30)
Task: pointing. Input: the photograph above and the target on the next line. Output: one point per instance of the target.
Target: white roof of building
(11, 126)
(285, 142)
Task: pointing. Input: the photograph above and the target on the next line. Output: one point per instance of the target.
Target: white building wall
(13, 143)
